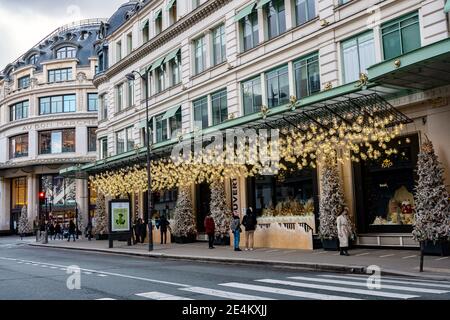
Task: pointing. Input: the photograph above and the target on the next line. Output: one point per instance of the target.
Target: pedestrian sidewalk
(391, 261)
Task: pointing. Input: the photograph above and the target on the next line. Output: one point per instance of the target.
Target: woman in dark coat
(210, 228)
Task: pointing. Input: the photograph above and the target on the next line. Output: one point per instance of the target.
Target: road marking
(160, 296)
(43, 266)
(286, 292)
(364, 284)
(102, 275)
(439, 285)
(105, 299)
(362, 254)
(441, 258)
(223, 294)
(53, 268)
(322, 252)
(340, 289)
(336, 254)
(87, 273)
(387, 255)
(63, 269)
(409, 257)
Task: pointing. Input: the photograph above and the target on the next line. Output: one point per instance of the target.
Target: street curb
(354, 269)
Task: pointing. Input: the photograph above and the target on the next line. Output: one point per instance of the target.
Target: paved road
(40, 273)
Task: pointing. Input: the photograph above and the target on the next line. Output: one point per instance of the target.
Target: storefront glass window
(19, 194)
(18, 146)
(59, 191)
(165, 202)
(57, 141)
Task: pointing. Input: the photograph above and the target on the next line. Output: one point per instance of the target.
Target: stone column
(5, 208)
(33, 199)
(82, 200)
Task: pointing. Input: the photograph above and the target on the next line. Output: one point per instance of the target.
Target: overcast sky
(23, 23)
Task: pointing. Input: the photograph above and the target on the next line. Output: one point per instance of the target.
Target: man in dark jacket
(163, 225)
(72, 230)
(249, 223)
(210, 228)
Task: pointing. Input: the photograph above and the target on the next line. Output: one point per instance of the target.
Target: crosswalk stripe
(160, 296)
(362, 254)
(286, 292)
(102, 275)
(439, 285)
(387, 255)
(409, 257)
(87, 273)
(339, 289)
(223, 294)
(439, 259)
(105, 299)
(364, 277)
(364, 284)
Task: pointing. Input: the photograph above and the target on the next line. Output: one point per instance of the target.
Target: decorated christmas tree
(24, 226)
(80, 222)
(331, 200)
(432, 206)
(220, 212)
(184, 222)
(101, 221)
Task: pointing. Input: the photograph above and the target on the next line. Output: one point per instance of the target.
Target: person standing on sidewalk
(235, 227)
(344, 231)
(72, 230)
(57, 231)
(210, 228)
(89, 230)
(163, 225)
(249, 223)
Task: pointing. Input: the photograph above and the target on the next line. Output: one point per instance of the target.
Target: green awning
(447, 7)
(172, 54)
(261, 3)
(141, 124)
(144, 69)
(170, 4)
(144, 24)
(157, 13)
(244, 12)
(171, 113)
(157, 63)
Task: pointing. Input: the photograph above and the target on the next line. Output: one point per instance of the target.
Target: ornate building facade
(48, 121)
(221, 64)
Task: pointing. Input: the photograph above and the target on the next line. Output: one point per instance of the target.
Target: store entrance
(384, 189)
(203, 193)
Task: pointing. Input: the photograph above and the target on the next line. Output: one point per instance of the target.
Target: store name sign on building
(235, 201)
(59, 124)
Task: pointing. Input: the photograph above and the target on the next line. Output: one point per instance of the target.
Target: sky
(23, 23)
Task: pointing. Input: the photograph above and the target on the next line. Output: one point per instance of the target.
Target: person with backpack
(235, 227)
(249, 223)
(210, 229)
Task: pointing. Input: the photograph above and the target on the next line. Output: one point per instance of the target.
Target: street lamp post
(131, 77)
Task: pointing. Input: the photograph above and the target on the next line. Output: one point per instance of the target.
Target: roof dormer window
(66, 53)
(33, 59)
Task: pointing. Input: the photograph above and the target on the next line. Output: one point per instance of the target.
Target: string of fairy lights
(364, 138)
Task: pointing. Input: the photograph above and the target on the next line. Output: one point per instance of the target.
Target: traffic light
(41, 198)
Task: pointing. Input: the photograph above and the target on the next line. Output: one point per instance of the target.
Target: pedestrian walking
(57, 231)
(163, 225)
(249, 221)
(72, 230)
(344, 231)
(51, 229)
(137, 230)
(88, 231)
(210, 228)
(143, 231)
(235, 227)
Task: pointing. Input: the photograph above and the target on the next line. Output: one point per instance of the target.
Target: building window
(158, 22)
(249, 27)
(130, 93)
(19, 193)
(201, 113)
(59, 191)
(129, 43)
(175, 68)
(92, 102)
(219, 107)
(119, 96)
(18, 146)
(195, 4)
(277, 82)
(161, 128)
(276, 19)
(118, 51)
(66, 53)
(103, 148)
(307, 76)
(145, 31)
(219, 45)
(200, 55)
(173, 11)
(252, 98)
(103, 108)
(401, 36)
(57, 141)
(57, 104)
(124, 140)
(92, 139)
(358, 55)
(24, 82)
(175, 124)
(305, 11)
(58, 75)
(160, 76)
(33, 59)
(19, 111)
(341, 2)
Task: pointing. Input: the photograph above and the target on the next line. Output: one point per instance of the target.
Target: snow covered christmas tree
(101, 222)
(331, 200)
(220, 212)
(432, 206)
(184, 222)
(24, 225)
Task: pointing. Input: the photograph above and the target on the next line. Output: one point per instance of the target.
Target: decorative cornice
(180, 26)
(51, 161)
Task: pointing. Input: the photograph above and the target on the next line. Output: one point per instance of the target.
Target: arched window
(66, 53)
(33, 59)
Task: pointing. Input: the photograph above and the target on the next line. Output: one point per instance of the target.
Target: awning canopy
(422, 69)
(157, 63)
(172, 55)
(261, 3)
(170, 4)
(144, 23)
(171, 112)
(244, 12)
(157, 14)
(447, 6)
